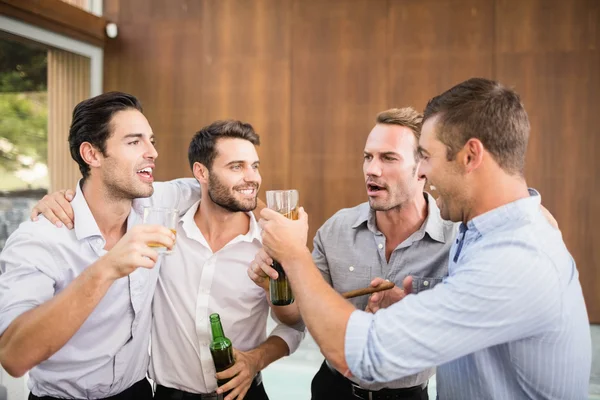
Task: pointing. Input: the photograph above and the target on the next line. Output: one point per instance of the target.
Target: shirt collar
(433, 225)
(522, 209)
(85, 224)
(191, 229)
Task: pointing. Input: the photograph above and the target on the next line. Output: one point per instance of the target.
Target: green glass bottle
(221, 348)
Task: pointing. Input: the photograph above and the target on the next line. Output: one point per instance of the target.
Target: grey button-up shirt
(349, 251)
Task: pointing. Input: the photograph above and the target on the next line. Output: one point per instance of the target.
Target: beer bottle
(221, 348)
(280, 289)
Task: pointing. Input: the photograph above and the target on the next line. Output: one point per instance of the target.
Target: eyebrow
(385, 153)
(422, 150)
(135, 135)
(240, 162)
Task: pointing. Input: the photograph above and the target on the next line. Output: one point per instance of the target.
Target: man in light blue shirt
(509, 322)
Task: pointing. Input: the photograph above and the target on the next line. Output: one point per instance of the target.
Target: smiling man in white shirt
(217, 239)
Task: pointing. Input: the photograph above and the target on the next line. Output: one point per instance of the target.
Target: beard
(224, 197)
(119, 187)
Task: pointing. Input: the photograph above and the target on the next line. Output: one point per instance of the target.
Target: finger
(407, 284)
(34, 214)
(236, 388)
(229, 372)
(375, 298)
(259, 280)
(244, 392)
(267, 214)
(49, 215)
(231, 385)
(148, 256)
(268, 270)
(377, 281)
(147, 262)
(69, 194)
(302, 215)
(154, 228)
(157, 240)
(264, 257)
(63, 210)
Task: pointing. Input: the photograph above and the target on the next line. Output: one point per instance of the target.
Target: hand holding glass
(166, 217)
(284, 202)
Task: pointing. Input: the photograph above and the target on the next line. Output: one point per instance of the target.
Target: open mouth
(373, 188)
(146, 174)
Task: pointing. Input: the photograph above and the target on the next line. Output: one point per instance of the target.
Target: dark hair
(486, 110)
(407, 117)
(202, 148)
(91, 123)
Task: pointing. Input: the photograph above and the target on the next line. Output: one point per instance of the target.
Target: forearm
(39, 333)
(323, 310)
(269, 351)
(289, 315)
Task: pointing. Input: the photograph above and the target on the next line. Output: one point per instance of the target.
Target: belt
(164, 392)
(128, 394)
(385, 393)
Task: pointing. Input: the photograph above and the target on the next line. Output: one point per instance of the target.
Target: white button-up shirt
(195, 282)
(109, 353)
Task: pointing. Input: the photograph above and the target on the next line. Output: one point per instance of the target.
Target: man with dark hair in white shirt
(75, 305)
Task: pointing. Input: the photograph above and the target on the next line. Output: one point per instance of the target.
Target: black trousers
(329, 385)
(256, 392)
(139, 391)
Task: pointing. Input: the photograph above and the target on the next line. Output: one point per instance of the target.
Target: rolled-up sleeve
(472, 310)
(27, 277)
(291, 335)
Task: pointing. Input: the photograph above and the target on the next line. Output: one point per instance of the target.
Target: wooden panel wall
(311, 75)
(68, 84)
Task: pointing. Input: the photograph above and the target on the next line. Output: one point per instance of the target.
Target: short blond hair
(407, 117)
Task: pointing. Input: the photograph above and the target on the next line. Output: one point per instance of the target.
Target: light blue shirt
(109, 353)
(509, 322)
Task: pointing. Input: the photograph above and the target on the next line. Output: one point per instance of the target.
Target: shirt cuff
(357, 333)
(291, 336)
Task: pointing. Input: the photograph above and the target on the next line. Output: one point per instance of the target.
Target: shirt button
(351, 268)
(425, 283)
(380, 246)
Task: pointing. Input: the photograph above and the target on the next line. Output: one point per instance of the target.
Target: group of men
(487, 296)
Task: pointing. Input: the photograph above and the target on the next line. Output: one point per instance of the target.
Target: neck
(109, 211)
(496, 191)
(218, 225)
(400, 222)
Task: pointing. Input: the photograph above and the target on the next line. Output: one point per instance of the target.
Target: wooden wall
(311, 75)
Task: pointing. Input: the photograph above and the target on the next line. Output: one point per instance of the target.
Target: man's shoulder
(345, 218)
(40, 231)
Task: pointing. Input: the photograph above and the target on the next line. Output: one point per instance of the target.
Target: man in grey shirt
(398, 234)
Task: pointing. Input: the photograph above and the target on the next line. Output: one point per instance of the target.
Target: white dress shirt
(194, 282)
(109, 353)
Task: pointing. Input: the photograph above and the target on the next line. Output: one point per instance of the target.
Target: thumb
(407, 284)
(376, 282)
(302, 215)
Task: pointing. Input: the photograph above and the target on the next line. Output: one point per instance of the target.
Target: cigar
(368, 290)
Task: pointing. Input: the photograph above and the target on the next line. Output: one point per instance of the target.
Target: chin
(142, 192)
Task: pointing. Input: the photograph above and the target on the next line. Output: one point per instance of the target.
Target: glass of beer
(284, 202)
(166, 217)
